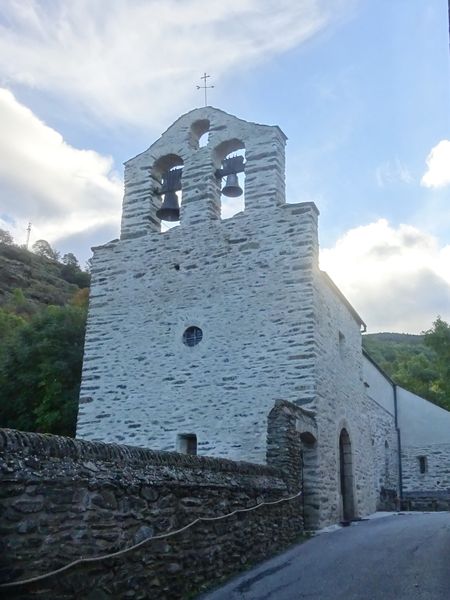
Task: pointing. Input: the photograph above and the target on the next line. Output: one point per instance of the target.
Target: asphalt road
(399, 557)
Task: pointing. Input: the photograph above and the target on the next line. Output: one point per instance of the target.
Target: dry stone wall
(62, 499)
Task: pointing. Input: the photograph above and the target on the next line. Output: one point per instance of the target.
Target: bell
(170, 208)
(232, 189)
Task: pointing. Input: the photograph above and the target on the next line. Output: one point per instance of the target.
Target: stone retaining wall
(62, 499)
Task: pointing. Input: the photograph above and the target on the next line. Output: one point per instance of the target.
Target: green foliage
(43, 248)
(18, 304)
(71, 260)
(438, 339)
(16, 253)
(73, 274)
(40, 367)
(9, 323)
(40, 279)
(6, 237)
(419, 363)
(417, 374)
(41, 345)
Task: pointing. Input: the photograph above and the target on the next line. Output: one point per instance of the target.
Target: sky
(360, 87)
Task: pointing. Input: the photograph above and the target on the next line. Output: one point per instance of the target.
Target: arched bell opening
(167, 173)
(200, 133)
(229, 157)
(346, 476)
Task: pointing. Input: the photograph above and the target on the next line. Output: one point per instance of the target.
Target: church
(198, 333)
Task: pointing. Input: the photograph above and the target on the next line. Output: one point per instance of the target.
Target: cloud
(62, 190)
(392, 172)
(398, 279)
(438, 166)
(137, 61)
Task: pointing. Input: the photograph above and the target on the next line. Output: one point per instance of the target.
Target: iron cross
(205, 87)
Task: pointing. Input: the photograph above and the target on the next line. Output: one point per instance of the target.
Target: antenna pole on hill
(28, 235)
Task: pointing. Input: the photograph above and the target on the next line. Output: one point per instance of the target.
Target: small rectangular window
(423, 464)
(187, 443)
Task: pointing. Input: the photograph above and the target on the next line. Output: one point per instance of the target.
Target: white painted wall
(378, 387)
(421, 422)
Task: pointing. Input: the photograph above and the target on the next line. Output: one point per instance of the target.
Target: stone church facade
(197, 333)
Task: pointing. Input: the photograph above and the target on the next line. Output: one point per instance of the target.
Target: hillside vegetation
(43, 305)
(419, 363)
(43, 281)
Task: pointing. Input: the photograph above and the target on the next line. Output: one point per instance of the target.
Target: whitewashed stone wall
(274, 326)
(437, 475)
(380, 393)
(246, 282)
(425, 431)
(342, 402)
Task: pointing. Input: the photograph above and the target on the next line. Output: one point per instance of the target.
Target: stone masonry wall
(437, 474)
(292, 448)
(201, 189)
(431, 500)
(429, 490)
(425, 433)
(342, 402)
(245, 281)
(284, 444)
(62, 499)
(383, 453)
(380, 406)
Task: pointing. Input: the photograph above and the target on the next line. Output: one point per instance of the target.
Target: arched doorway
(346, 475)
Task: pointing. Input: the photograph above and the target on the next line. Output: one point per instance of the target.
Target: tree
(413, 361)
(9, 324)
(40, 368)
(70, 260)
(438, 339)
(6, 237)
(43, 248)
(418, 373)
(72, 273)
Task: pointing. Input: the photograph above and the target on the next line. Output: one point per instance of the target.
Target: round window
(192, 336)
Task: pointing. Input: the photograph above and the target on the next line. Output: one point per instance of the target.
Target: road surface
(404, 556)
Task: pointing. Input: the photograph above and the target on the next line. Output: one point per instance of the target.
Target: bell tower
(176, 164)
(189, 329)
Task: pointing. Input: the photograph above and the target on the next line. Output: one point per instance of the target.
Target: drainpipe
(399, 443)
